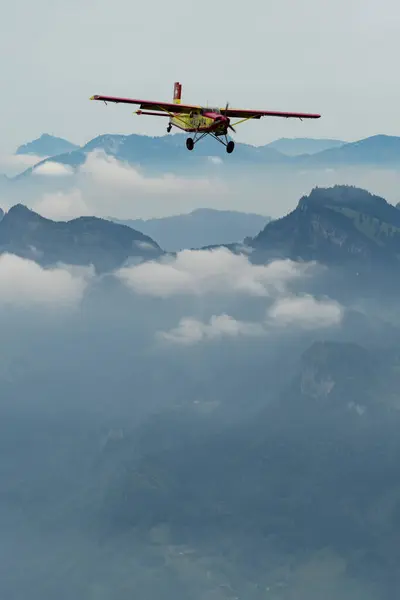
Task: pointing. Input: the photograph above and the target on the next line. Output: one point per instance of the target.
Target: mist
(149, 427)
(106, 187)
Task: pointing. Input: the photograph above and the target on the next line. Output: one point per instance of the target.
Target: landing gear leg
(230, 146)
(190, 142)
(169, 128)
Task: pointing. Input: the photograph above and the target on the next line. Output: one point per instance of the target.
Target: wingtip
(91, 98)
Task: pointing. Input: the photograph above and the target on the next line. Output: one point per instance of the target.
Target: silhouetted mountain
(199, 228)
(84, 241)
(47, 145)
(336, 225)
(298, 146)
(1, 214)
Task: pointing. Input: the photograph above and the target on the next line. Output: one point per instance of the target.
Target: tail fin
(177, 92)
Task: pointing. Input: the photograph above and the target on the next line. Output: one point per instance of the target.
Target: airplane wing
(257, 114)
(151, 105)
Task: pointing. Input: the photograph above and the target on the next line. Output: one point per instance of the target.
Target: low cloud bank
(23, 283)
(203, 272)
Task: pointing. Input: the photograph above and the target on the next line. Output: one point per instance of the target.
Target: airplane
(201, 120)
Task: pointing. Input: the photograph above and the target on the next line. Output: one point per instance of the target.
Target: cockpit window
(211, 109)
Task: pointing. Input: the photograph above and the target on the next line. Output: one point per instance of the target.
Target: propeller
(224, 113)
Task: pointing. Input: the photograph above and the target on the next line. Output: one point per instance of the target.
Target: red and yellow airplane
(200, 120)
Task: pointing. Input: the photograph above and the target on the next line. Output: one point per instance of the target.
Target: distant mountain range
(201, 227)
(84, 241)
(47, 145)
(298, 146)
(169, 151)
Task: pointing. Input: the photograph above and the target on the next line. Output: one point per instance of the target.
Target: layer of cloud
(191, 331)
(53, 169)
(202, 272)
(305, 311)
(62, 206)
(13, 164)
(108, 186)
(105, 170)
(296, 312)
(215, 160)
(24, 283)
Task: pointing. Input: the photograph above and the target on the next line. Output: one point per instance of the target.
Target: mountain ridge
(299, 146)
(46, 145)
(341, 223)
(198, 228)
(82, 241)
(170, 151)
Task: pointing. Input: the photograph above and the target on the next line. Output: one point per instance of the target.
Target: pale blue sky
(338, 58)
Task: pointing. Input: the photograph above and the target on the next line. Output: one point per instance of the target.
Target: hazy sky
(337, 57)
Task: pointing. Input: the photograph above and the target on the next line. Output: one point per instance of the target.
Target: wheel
(230, 147)
(169, 128)
(190, 144)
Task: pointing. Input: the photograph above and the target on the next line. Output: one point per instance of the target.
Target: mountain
(338, 225)
(199, 228)
(339, 375)
(311, 479)
(47, 145)
(298, 146)
(378, 150)
(165, 151)
(169, 151)
(83, 241)
(1, 214)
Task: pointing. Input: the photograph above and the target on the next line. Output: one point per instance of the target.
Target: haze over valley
(200, 418)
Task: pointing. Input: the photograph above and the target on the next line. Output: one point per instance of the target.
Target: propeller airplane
(200, 120)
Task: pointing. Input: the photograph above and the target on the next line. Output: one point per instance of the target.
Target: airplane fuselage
(206, 120)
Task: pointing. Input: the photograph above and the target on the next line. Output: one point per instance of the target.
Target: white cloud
(201, 272)
(62, 206)
(191, 331)
(297, 312)
(105, 170)
(109, 187)
(305, 311)
(12, 164)
(24, 283)
(230, 274)
(53, 169)
(145, 245)
(215, 160)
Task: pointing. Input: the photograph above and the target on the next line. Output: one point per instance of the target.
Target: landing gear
(230, 146)
(191, 142)
(169, 128)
